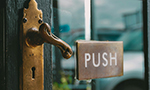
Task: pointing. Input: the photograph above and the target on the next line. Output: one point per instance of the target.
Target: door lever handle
(36, 37)
(46, 34)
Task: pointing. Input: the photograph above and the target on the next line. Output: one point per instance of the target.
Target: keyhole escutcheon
(33, 72)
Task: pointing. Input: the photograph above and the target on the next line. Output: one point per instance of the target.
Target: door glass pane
(113, 20)
(121, 20)
(71, 21)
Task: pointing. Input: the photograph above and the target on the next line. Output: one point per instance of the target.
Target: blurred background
(112, 20)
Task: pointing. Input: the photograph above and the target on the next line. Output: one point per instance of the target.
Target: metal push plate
(99, 59)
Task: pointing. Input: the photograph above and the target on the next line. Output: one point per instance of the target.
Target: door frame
(146, 41)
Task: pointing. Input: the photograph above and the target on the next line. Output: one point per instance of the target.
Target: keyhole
(33, 72)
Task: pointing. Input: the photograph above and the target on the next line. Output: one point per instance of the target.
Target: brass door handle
(47, 35)
(36, 37)
(33, 33)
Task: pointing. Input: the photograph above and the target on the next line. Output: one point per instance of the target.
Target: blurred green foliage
(65, 80)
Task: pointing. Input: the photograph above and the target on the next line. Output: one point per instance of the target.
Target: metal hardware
(99, 59)
(35, 38)
(24, 20)
(31, 57)
(32, 36)
(40, 21)
(48, 37)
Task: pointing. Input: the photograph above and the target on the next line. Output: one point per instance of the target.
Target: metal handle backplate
(32, 36)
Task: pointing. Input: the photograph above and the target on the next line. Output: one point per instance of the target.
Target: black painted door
(11, 12)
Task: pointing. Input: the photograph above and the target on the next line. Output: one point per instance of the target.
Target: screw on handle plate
(35, 38)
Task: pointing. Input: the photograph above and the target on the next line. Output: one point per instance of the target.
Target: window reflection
(121, 20)
(71, 28)
(114, 20)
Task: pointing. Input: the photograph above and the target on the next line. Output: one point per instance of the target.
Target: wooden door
(11, 13)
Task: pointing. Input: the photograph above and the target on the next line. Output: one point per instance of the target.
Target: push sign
(99, 59)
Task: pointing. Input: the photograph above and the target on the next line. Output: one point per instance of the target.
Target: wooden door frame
(146, 39)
